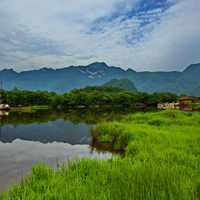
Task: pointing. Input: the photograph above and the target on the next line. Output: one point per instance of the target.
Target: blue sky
(139, 34)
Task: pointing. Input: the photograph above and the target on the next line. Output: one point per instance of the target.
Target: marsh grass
(161, 162)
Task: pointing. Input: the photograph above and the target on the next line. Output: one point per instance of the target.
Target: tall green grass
(162, 158)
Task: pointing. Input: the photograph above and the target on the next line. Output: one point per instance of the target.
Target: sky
(145, 35)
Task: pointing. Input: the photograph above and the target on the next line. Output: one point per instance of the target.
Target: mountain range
(99, 73)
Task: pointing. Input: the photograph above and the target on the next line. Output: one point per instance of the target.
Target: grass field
(162, 158)
(196, 105)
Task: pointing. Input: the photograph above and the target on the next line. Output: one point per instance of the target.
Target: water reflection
(71, 126)
(18, 157)
(48, 136)
(52, 131)
(4, 113)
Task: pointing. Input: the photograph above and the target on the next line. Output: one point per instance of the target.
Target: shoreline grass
(195, 105)
(162, 158)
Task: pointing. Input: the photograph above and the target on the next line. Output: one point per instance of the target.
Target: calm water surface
(47, 136)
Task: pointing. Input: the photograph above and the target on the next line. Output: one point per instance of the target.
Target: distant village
(183, 104)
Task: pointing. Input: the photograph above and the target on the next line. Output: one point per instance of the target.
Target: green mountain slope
(188, 82)
(123, 83)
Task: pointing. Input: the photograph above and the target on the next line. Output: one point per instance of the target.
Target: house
(184, 102)
(165, 106)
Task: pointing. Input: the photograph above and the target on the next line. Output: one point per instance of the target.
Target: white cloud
(56, 33)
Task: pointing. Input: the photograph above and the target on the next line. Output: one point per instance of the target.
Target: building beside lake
(183, 104)
(165, 106)
(186, 100)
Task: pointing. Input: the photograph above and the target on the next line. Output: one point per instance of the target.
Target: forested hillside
(123, 83)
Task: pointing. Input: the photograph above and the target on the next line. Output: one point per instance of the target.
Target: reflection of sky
(143, 34)
(59, 131)
(17, 158)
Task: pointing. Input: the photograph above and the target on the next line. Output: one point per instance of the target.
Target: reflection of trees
(16, 118)
(76, 116)
(93, 116)
(88, 116)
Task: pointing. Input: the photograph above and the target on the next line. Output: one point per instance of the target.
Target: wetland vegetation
(161, 161)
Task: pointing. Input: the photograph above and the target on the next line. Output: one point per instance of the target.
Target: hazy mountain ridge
(188, 82)
(66, 79)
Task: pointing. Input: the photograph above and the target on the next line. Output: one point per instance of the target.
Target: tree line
(90, 96)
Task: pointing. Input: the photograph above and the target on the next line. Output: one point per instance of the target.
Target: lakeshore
(161, 162)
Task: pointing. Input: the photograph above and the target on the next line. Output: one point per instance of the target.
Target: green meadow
(161, 161)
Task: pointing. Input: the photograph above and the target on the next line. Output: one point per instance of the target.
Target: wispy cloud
(144, 35)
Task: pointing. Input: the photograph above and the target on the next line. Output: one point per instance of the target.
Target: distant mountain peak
(97, 66)
(7, 70)
(192, 67)
(98, 63)
(45, 69)
(131, 70)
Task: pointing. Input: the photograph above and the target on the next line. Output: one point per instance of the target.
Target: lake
(48, 136)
